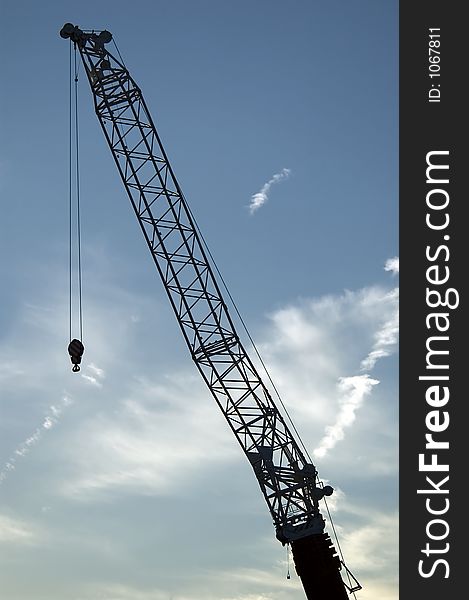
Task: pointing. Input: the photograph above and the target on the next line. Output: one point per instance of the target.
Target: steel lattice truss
(287, 480)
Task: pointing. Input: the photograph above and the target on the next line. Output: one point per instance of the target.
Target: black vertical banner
(433, 252)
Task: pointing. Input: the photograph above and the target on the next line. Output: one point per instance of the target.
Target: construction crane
(288, 481)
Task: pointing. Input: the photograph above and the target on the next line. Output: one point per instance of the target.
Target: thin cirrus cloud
(392, 264)
(261, 197)
(305, 347)
(160, 436)
(94, 375)
(321, 352)
(142, 444)
(51, 418)
(387, 336)
(15, 530)
(353, 390)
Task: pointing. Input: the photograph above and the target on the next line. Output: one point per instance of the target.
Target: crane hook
(76, 349)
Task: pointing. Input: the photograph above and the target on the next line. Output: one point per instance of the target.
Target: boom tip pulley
(79, 36)
(67, 31)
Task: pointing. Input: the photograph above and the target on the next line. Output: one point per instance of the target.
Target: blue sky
(125, 483)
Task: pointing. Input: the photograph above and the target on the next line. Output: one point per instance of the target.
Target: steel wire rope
(70, 196)
(341, 554)
(246, 330)
(74, 178)
(259, 357)
(77, 176)
(117, 50)
(269, 377)
(233, 303)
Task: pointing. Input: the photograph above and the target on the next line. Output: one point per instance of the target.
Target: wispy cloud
(353, 390)
(373, 544)
(14, 530)
(261, 197)
(157, 433)
(50, 419)
(139, 446)
(385, 338)
(392, 264)
(97, 375)
(10, 370)
(124, 592)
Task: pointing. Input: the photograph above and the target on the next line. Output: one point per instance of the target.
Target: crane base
(318, 567)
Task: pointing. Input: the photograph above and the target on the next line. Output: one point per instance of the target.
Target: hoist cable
(268, 376)
(77, 176)
(248, 334)
(74, 216)
(338, 544)
(70, 187)
(257, 353)
(119, 54)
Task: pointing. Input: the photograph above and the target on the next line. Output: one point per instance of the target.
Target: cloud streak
(14, 530)
(51, 419)
(354, 389)
(353, 392)
(141, 444)
(392, 264)
(156, 435)
(385, 338)
(97, 375)
(261, 197)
